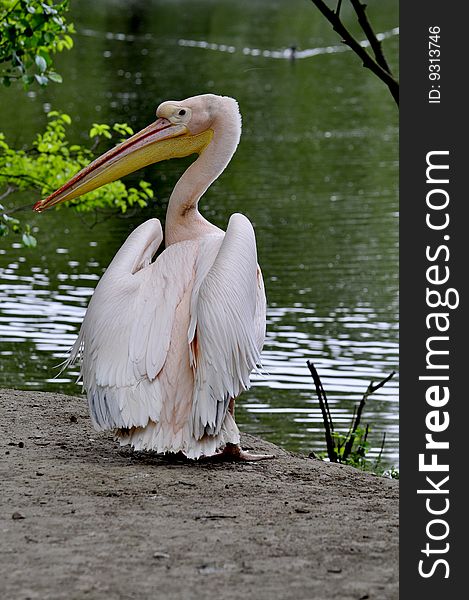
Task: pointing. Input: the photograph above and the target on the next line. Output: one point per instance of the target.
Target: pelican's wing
(261, 311)
(224, 332)
(126, 333)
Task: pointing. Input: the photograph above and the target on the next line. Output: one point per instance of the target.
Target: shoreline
(84, 518)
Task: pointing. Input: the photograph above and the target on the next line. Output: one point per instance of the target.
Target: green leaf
(68, 41)
(45, 55)
(99, 129)
(41, 79)
(29, 241)
(10, 220)
(48, 10)
(123, 128)
(41, 63)
(55, 77)
(53, 163)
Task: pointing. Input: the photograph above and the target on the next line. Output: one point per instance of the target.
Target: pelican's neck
(183, 219)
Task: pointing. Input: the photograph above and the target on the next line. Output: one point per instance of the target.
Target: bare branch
(368, 61)
(371, 389)
(326, 416)
(375, 44)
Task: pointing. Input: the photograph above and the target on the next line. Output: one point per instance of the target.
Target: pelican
(167, 346)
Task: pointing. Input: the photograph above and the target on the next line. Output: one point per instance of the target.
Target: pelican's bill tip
(38, 207)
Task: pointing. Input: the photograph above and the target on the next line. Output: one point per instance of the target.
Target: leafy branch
(9, 223)
(53, 160)
(32, 31)
(377, 62)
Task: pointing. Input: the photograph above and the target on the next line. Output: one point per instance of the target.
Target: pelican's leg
(235, 452)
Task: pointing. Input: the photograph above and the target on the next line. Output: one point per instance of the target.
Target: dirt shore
(82, 518)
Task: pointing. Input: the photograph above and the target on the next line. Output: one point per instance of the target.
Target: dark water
(316, 172)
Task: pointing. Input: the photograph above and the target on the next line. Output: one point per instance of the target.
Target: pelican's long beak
(159, 141)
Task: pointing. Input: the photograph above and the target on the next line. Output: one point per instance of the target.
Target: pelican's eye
(181, 115)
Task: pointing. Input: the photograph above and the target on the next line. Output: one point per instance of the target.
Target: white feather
(226, 308)
(126, 333)
(166, 345)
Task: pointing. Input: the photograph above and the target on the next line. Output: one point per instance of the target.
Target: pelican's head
(182, 128)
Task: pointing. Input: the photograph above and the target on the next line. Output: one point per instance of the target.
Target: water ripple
(283, 53)
(48, 322)
(289, 53)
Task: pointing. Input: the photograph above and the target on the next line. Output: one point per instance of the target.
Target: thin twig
(24, 177)
(368, 61)
(370, 390)
(8, 191)
(356, 424)
(375, 44)
(326, 404)
(325, 412)
(363, 440)
(17, 209)
(378, 460)
(349, 432)
(352, 421)
(96, 142)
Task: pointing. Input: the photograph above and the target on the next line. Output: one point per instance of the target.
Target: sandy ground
(82, 518)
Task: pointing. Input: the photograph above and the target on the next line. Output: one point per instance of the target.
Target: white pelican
(168, 345)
